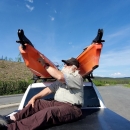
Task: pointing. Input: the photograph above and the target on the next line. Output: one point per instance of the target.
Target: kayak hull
(31, 56)
(89, 58)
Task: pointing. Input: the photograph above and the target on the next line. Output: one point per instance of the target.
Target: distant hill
(10, 71)
(118, 78)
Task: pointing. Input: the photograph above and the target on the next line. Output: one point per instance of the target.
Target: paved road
(10, 99)
(8, 110)
(116, 98)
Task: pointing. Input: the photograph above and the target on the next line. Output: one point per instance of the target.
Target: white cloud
(121, 32)
(114, 63)
(52, 18)
(29, 7)
(95, 74)
(31, 1)
(55, 11)
(116, 58)
(118, 35)
(117, 74)
(70, 42)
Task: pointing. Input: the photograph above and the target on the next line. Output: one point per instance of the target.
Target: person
(65, 107)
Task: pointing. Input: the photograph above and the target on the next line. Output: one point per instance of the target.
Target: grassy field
(127, 85)
(17, 71)
(12, 71)
(15, 77)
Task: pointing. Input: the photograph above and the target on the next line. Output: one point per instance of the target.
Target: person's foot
(6, 119)
(3, 123)
(3, 127)
(3, 120)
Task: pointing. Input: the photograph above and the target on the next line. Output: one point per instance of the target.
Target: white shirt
(71, 91)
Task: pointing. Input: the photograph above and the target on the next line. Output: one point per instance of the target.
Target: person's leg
(68, 112)
(28, 111)
(48, 116)
(32, 122)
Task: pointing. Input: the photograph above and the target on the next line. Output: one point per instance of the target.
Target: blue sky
(60, 29)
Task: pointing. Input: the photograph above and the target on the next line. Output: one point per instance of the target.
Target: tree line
(18, 87)
(111, 81)
(17, 59)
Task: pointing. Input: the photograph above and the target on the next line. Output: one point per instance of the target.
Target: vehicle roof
(96, 119)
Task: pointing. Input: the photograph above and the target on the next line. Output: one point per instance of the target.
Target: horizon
(62, 29)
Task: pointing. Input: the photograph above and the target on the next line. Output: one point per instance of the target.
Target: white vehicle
(95, 115)
(92, 97)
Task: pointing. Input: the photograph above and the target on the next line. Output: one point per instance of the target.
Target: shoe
(5, 119)
(3, 127)
(3, 123)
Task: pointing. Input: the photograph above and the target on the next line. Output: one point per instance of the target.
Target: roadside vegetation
(107, 81)
(127, 85)
(15, 77)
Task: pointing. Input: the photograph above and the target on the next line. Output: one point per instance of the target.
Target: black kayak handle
(23, 39)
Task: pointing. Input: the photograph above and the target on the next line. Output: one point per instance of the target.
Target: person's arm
(52, 71)
(41, 94)
(55, 73)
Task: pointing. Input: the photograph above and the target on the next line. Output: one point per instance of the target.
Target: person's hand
(41, 60)
(32, 101)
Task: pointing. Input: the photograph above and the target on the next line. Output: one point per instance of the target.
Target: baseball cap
(71, 61)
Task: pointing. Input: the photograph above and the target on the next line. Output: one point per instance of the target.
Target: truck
(95, 115)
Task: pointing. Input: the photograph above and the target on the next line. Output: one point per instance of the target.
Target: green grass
(15, 78)
(127, 85)
(12, 71)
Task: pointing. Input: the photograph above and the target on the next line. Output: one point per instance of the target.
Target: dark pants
(45, 113)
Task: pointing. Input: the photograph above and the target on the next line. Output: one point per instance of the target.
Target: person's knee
(52, 111)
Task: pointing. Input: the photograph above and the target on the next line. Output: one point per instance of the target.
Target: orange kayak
(31, 56)
(88, 59)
